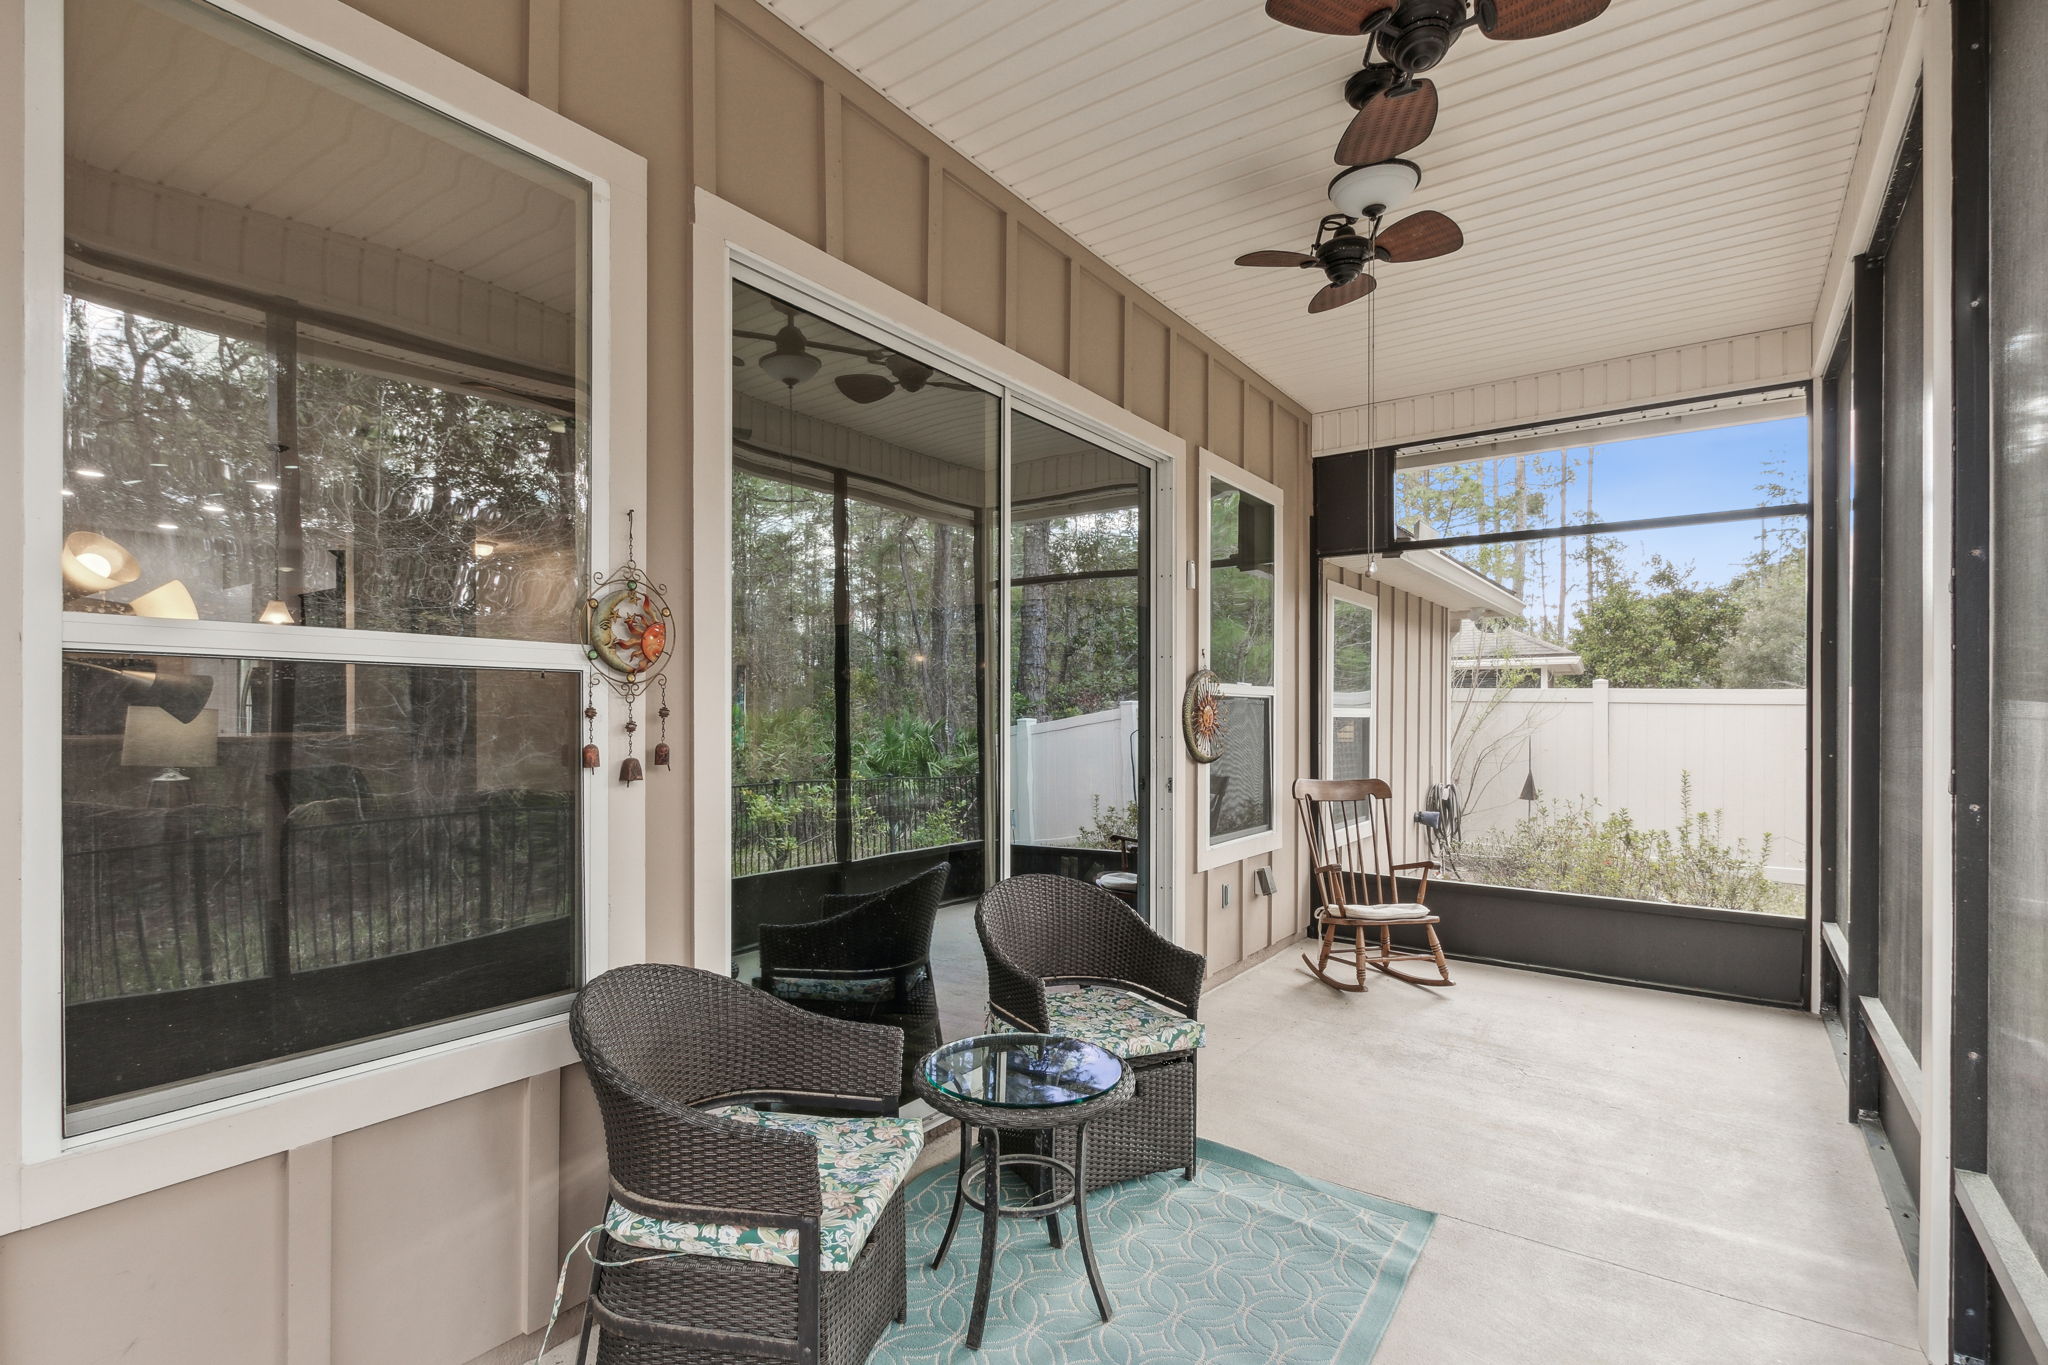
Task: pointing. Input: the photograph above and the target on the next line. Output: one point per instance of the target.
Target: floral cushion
(1118, 1022)
(861, 1163)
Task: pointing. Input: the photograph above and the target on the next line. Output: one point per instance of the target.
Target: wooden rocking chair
(1350, 833)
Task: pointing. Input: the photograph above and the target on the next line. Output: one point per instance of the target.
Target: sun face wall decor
(626, 624)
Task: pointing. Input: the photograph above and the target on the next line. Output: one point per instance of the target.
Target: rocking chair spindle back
(1349, 829)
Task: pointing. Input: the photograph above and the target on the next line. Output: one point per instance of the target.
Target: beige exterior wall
(434, 1237)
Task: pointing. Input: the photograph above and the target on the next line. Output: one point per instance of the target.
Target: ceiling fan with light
(792, 363)
(1396, 108)
(1345, 255)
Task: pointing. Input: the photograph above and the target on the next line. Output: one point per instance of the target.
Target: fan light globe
(1369, 191)
(790, 361)
(92, 563)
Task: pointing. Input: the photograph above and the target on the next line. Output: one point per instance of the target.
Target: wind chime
(626, 636)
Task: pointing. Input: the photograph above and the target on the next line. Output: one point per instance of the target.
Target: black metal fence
(170, 900)
(777, 826)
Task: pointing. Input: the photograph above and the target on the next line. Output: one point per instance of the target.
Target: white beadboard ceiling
(1671, 173)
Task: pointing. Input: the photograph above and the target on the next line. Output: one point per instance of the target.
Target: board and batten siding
(434, 1237)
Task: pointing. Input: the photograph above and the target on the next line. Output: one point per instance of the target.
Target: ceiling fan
(792, 363)
(905, 373)
(1344, 254)
(1396, 110)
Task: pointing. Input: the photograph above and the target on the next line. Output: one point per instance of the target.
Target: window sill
(1212, 856)
(119, 1163)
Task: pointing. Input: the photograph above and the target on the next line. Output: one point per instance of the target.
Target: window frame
(1335, 592)
(44, 1174)
(729, 244)
(1215, 469)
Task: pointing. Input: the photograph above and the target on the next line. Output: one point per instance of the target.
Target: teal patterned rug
(1250, 1263)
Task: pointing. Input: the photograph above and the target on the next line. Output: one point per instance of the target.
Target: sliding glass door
(1079, 693)
(915, 712)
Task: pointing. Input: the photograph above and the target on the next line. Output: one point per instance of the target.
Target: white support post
(1601, 720)
(1023, 791)
(1937, 683)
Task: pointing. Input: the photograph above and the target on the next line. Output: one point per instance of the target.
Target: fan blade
(1385, 126)
(1293, 258)
(1508, 19)
(865, 388)
(1345, 18)
(1420, 237)
(1337, 295)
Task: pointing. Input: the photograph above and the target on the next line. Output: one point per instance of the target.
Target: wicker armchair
(868, 958)
(663, 1043)
(1042, 931)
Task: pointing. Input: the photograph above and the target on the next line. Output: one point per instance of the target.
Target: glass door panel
(865, 486)
(1079, 660)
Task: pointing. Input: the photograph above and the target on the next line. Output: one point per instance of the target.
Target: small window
(1241, 640)
(1349, 697)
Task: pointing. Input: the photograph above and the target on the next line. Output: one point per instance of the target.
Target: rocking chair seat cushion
(861, 1163)
(1376, 913)
(1121, 1024)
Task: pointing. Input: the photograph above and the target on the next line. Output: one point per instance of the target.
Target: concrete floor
(1619, 1175)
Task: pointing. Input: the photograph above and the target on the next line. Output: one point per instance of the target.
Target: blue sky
(1694, 471)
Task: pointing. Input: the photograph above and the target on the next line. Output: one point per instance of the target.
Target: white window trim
(1326, 700)
(1207, 855)
(44, 1176)
(731, 243)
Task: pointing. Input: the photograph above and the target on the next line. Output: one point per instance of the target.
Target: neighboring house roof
(1479, 647)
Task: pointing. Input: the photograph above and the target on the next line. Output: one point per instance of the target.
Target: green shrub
(1579, 847)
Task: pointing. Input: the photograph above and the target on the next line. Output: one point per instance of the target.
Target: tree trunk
(1032, 677)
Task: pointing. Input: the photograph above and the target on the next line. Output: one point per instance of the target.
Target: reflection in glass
(1241, 611)
(1078, 699)
(864, 486)
(265, 858)
(1241, 781)
(325, 350)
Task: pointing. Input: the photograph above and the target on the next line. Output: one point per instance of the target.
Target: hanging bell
(590, 758)
(629, 771)
(661, 754)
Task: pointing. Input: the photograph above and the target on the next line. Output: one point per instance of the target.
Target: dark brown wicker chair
(1039, 931)
(868, 959)
(660, 1042)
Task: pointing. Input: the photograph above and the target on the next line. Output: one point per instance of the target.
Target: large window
(326, 390)
(1638, 729)
(1241, 645)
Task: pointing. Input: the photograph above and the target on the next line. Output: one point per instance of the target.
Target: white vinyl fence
(1627, 749)
(1061, 771)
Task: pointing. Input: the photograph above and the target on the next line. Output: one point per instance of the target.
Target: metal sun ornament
(1201, 717)
(626, 626)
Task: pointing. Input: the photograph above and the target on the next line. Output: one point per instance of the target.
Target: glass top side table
(1030, 1084)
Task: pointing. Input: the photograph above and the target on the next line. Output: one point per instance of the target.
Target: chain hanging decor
(627, 620)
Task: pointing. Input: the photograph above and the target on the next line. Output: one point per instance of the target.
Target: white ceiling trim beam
(1674, 374)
